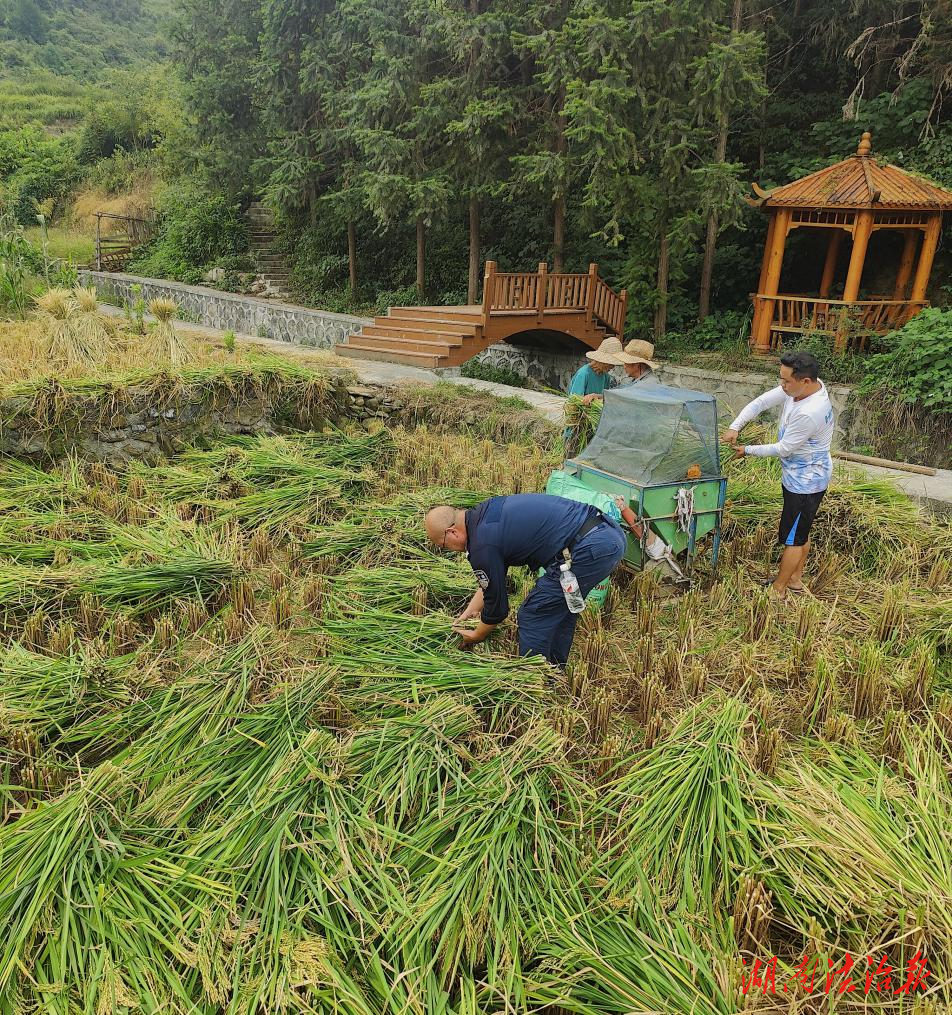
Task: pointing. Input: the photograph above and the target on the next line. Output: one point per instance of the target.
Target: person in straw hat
(636, 359)
(591, 379)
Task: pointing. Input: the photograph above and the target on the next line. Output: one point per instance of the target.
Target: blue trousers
(546, 625)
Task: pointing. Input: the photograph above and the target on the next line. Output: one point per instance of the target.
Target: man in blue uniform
(530, 529)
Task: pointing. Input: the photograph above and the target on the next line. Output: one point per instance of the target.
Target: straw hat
(637, 351)
(608, 352)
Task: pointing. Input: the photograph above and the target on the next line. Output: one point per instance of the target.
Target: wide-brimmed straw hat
(638, 351)
(608, 352)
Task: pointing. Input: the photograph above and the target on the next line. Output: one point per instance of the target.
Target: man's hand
(729, 437)
(740, 451)
(473, 608)
(588, 399)
(468, 636)
(475, 635)
(620, 502)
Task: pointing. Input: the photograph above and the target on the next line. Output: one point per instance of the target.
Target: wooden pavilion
(855, 197)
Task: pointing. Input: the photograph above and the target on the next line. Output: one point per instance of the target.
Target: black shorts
(796, 519)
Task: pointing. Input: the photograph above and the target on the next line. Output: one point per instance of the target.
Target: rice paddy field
(245, 768)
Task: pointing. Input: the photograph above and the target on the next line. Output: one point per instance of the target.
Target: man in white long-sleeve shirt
(803, 447)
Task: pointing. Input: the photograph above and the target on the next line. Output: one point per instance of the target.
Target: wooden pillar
(488, 289)
(906, 262)
(98, 241)
(622, 313)
(829, 265)
(862, 230)
(768, 243)
(590, 295)
(773, 262)
(542, 284)
(926, 254)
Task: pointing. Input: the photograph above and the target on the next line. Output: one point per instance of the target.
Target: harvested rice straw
(167, 342)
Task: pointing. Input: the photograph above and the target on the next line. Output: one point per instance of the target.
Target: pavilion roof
(859, 182)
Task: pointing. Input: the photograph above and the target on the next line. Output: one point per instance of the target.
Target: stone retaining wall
(231, 312)
(545, 369)
(152, 420)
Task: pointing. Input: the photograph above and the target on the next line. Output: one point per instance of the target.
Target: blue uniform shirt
(587, 382)
(524, 528)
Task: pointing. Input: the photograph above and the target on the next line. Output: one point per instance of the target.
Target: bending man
(803, 446)
(530, 529)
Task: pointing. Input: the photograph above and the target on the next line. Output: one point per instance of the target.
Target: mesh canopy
(650, 433)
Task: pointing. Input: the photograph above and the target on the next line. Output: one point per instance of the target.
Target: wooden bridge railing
(541, 292)
(114, 246)
(851, 323)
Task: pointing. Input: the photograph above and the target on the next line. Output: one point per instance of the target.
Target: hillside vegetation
(56, 55)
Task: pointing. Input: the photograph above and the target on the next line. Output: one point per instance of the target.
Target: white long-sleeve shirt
(803, 445)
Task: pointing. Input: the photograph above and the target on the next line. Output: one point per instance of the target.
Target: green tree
(24, 19)
(292, 110)
(733, 68)
(685, 55)
(400, 122)
(216, 48)
(548, 163)
(480, 106)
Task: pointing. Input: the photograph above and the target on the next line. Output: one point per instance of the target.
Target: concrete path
(374, 372)
(934, 492)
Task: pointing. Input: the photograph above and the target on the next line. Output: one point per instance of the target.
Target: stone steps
(271, 263)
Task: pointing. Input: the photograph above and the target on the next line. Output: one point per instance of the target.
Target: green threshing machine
(657, 446)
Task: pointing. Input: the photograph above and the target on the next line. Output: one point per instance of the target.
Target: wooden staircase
(420, 336)
(582, 306)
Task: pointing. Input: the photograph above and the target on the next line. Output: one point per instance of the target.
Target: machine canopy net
(651, 434)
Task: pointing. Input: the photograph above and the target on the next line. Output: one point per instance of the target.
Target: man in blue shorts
(803, 447)
(531, 529)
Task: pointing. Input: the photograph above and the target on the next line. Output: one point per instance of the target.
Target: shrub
(840, 368)
(124, 122)
(17, 260)
(406, 296)
(120, 172)
(716, 332)
(498, 375)
(325, 273)
(35, 168)
(195, 230)
(917, 363)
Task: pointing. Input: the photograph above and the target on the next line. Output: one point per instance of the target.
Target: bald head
(446, 527)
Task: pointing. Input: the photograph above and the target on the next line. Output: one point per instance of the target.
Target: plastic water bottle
(574, 599)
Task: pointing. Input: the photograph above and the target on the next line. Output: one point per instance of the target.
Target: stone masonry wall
(232, 312)
(148, 422)
(548, 370)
